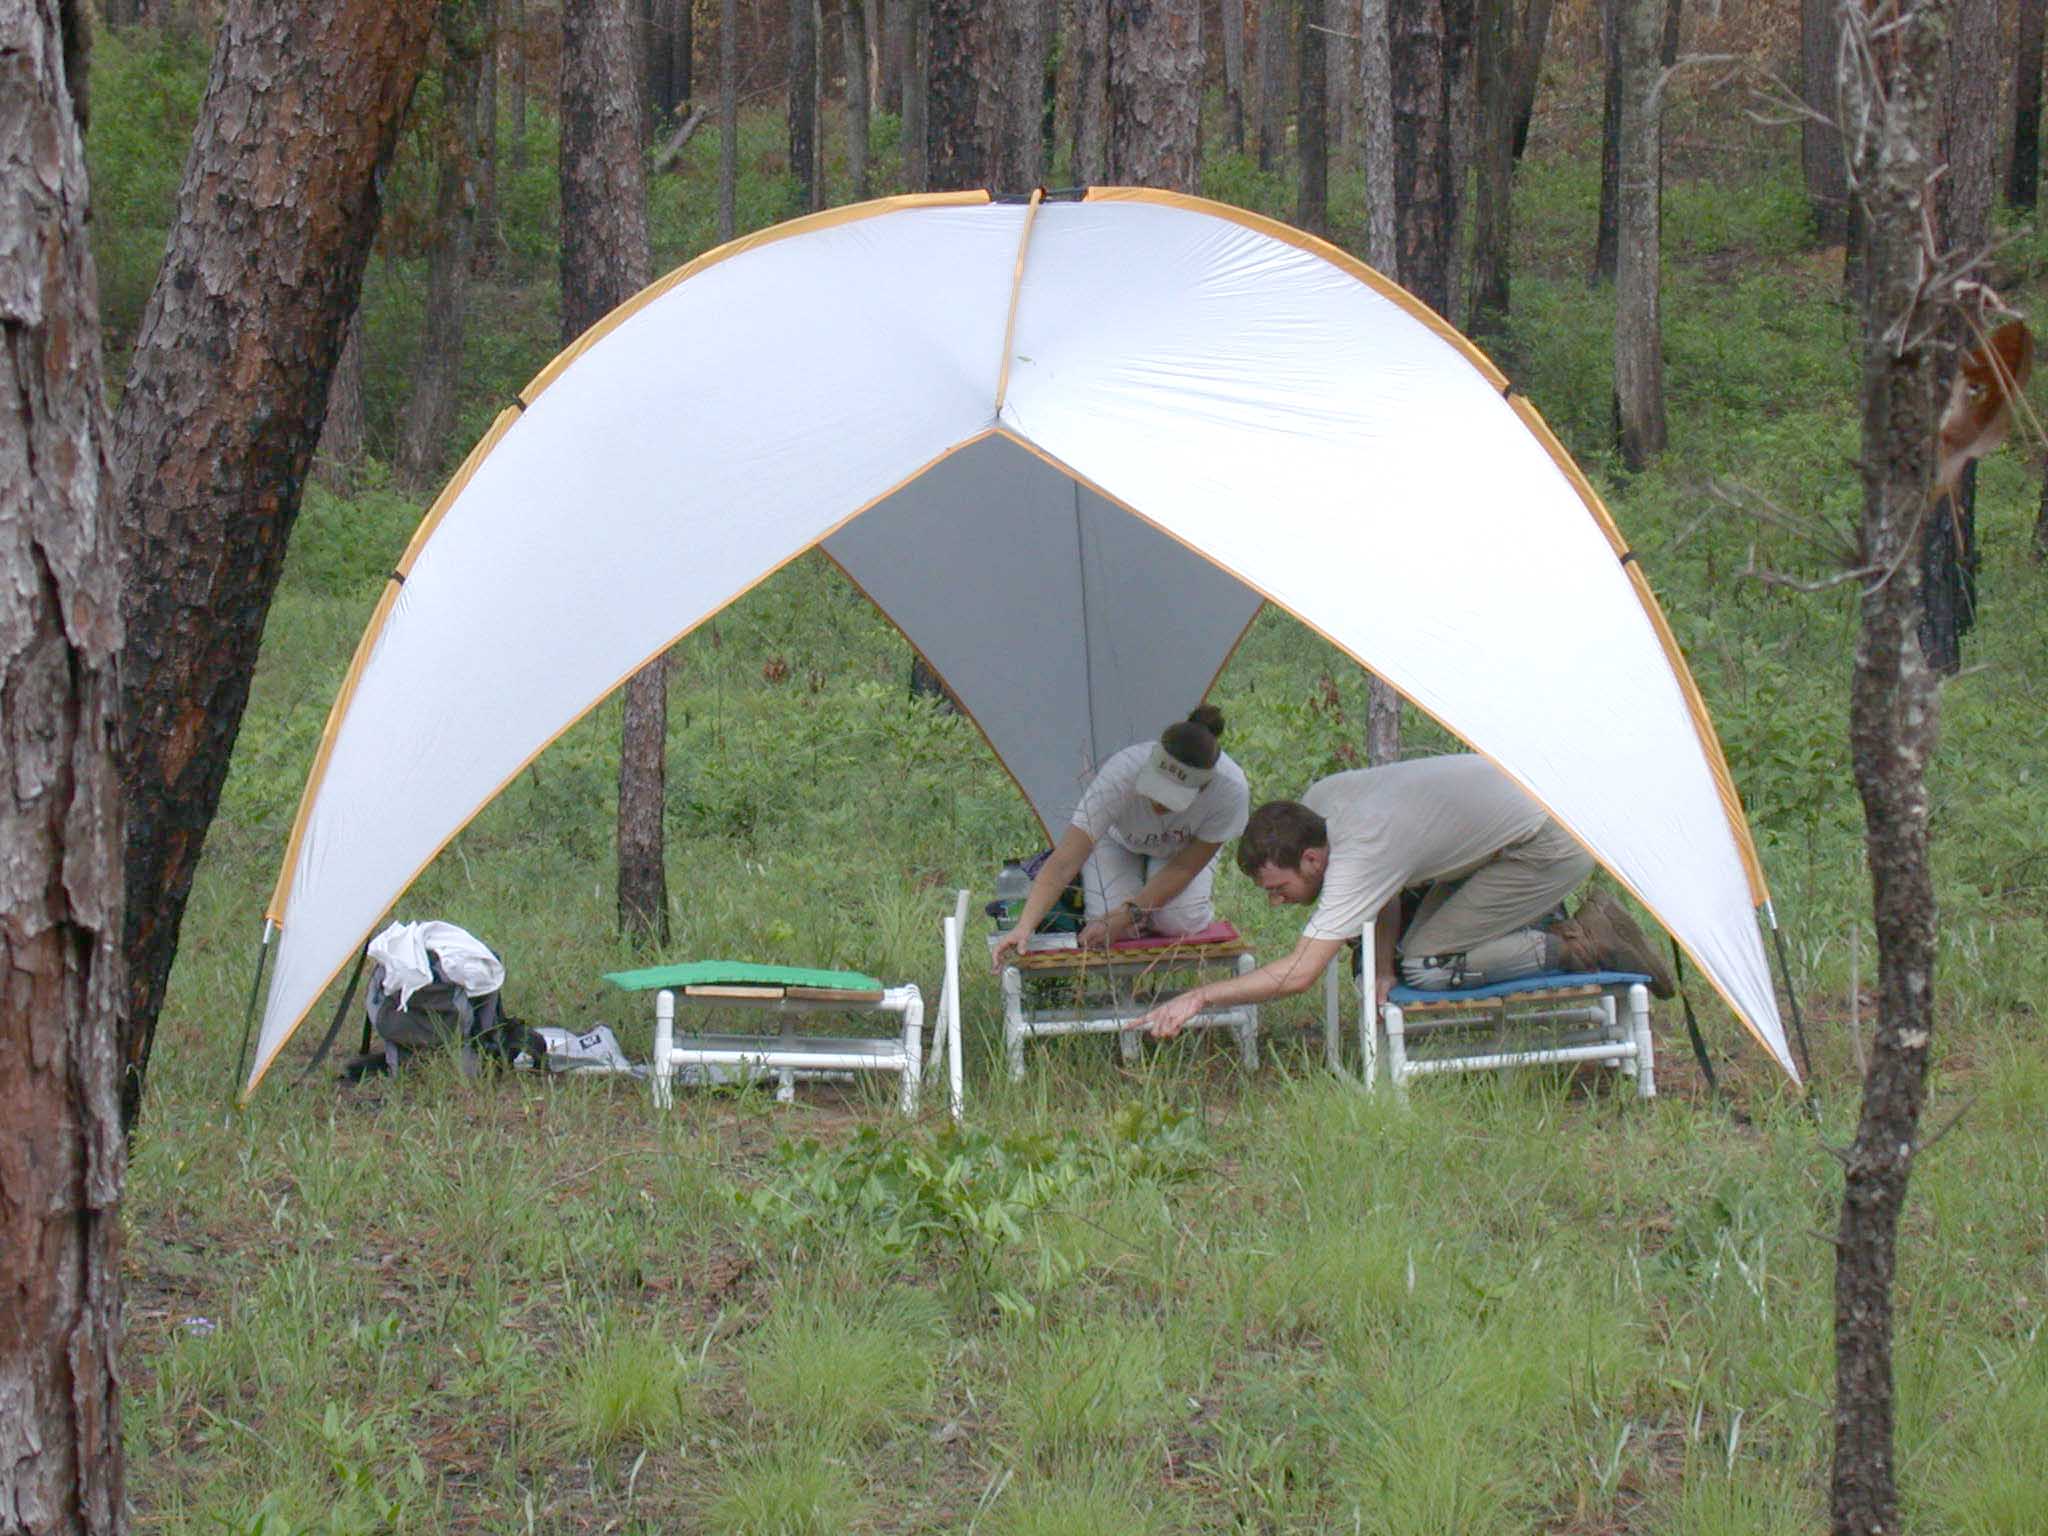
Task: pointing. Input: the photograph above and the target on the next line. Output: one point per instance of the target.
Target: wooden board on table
(714, 990)
(835, 995)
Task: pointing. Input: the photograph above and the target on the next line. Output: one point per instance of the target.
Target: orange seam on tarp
(1080, 479)
(1717, 763)
(1016, 293)
(498, 789)
(852, 213)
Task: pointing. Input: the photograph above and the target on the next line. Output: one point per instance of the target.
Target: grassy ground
(1168, 1299)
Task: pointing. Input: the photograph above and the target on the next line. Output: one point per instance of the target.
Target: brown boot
(1602, 937)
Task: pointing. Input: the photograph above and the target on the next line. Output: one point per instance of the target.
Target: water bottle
(1012, 886)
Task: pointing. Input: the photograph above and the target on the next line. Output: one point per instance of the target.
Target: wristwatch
(1136, 914)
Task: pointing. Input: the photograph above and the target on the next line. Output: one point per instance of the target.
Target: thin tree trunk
(605, 262)
(728, 117)
(340, 453)
(955, 65)
(61, 1157)
(1667, 49)
(1091, 75)
(895, 47)
(222, 411)
(1492, 207)
(1893, 715)
(1340, 80)
(1382, 723)
(1820, 140)
(1312, 184)
(1233, 74)
(489, 236)
(803, 107)
(1422, 151)
(854, 33)
(1155, 94)
(1459, 101)
(519, 41)
(682, 42)
(1376, 97)
(1608, 232)
(437, 366)
(1274, 19)
(2023, 173)
(1639, 427)
(917, 94)
(1529, 68)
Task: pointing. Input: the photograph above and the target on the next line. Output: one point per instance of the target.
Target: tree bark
(489, 235)
(1608, 232)
(1274, 19)
(605, 262)
(1529, 68)
(437, 366)
(1382, 723)
(222, 410)
(1458, 115)
(1155, 94)
(340, 453)
(956, 62)
(62, 1158)
(2023, 172)
(1376, 108)
(1312, 94)
(1639, 427)
(1494, 145)
(1091, 81)
(1820, 140)
(806, 195)
(1964, 198)
(1012, 99)
(1422, 150)
(728, 118)
(518, 39)
(1893, 714)
(854, 34)
(917, 94)
(1340, 80)
(1233, 74)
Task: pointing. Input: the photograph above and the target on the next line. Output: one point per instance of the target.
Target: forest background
(1179, 1299)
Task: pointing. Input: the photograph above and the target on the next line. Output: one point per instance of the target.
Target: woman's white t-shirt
(1112, 808)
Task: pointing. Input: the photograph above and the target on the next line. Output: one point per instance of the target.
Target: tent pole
(1792, 1006)
(249, 1017)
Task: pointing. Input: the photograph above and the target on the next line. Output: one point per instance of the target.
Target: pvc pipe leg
(664, 1045)
(1013, 1021)
(1646, 1049)
(913, 1031)
(1248, 1031)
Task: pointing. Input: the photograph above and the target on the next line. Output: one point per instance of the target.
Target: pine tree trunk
(1233, 74)
(1275, 17)
(1382, 723)
(1091, 77)
(1535, 37)
(490, 237)
(956, 62)
(605, 262)
(1609, 230)
(1893, 714)
(1155, 94)
(803, 107)
(1459, 104)
(917, 94)
(1340, 81)
(887, 24)
(682, 39)
(2023, 174)
(854, 34)
(1422, 151)
(1376, 107)
(437, 367)
(656, 21)
(1820, 140)
(1012, 101)
(1639, 427)
(1312, 186)
(340, 453)
(62, 1159)
(1494, 144)
(728, 118)
(519, 43)
(222, 410)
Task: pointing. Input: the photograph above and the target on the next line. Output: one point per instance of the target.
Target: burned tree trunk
(61, 1159)
(222, 410)
(1889, 88)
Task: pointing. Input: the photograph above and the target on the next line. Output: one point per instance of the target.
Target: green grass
(1259, 1304)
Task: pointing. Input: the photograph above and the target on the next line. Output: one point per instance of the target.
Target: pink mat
(1218, 932)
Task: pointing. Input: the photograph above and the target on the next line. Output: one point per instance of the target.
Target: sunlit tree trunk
(222, 410)
(1893, 717)
(1639, 426)
(1155, 94)
(61, 1155)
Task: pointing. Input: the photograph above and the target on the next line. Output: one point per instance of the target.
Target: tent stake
(249, 1017)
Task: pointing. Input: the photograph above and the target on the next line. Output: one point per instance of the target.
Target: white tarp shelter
(1069, 447)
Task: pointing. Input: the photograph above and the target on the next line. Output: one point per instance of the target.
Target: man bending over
(1492, 866)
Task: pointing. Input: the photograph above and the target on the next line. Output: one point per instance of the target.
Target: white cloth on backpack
(404, 950)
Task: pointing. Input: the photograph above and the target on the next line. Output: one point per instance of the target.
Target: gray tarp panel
(1104, 661)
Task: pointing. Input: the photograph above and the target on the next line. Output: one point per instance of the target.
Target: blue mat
(1542, 981)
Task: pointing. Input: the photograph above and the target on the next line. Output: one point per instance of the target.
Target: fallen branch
(666, 156)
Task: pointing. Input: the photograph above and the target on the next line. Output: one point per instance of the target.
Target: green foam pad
(729, 973)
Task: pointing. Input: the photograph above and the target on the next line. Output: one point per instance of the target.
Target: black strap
(1692, 1024)
(340, 1013)
(249, 1018)
(1810, 1099)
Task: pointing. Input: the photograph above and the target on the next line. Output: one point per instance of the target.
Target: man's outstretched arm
(1285, 977)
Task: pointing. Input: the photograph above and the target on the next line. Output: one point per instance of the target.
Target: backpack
(438, 1015)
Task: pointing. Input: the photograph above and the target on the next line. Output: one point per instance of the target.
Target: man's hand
(1104, 931)
(1007, 948)
(1170, 1017)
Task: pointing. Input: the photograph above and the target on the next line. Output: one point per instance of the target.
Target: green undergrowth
(1156, 1299)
